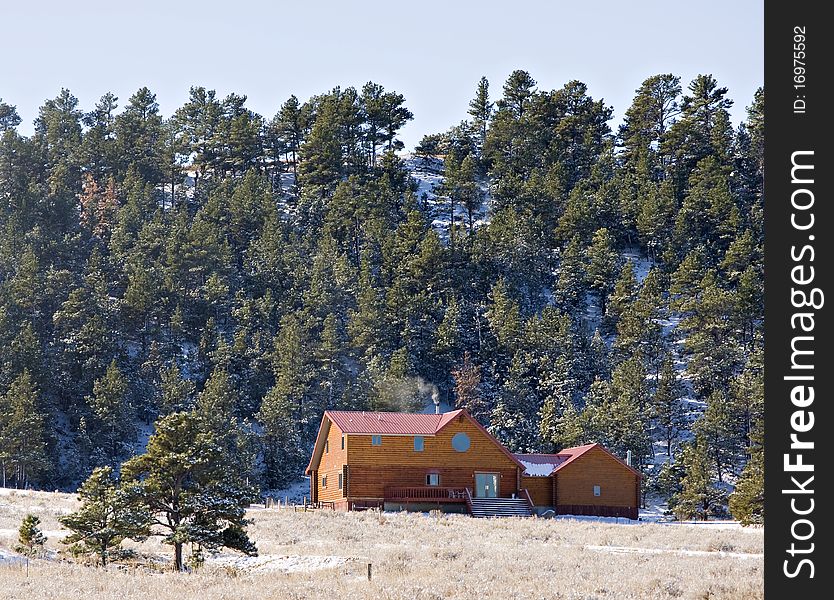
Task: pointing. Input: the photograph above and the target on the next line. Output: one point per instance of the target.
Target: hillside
(564, 282)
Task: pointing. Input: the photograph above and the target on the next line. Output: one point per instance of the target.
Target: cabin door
(486, 485)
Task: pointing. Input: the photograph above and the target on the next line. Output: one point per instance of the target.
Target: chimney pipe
(435, 397)
(628, 457)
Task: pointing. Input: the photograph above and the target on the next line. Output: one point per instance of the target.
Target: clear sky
(434, 52)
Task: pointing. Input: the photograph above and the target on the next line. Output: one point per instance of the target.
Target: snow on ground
(143, 433)
(293, 493)
(642, 265)
(429, 178)
(273, 562)
(9, 558)
(631, 550)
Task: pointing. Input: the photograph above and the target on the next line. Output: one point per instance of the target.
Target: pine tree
(177, 392)
(667, 410)
(715, 427)
(283, 450)
(747, 500)
(429, 148)
(572, 277)
(9, 119)
(22, 433)
(140, 137)
(517, 93)
(186, 482)
(557, 418)
(468, 392)
(107, 516)
(480, 109)
(515, 418)
(698, 496)
(30, 538)
(623, 295)
(602, 265)
(111, 408)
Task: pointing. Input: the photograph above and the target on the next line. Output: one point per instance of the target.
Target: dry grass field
(414, 556)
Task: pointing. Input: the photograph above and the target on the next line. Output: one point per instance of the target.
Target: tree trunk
(178, 556)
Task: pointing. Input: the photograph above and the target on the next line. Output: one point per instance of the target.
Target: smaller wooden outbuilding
(584, 480)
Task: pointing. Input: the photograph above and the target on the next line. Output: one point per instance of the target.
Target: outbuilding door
(486, 485)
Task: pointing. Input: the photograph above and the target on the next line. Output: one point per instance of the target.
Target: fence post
(369, 571)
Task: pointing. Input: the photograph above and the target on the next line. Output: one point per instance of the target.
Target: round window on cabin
(460, 442)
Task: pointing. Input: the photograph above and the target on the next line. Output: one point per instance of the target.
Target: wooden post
(286, 501)
(369, 571)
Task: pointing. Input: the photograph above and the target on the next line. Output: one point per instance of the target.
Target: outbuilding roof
(543, 465)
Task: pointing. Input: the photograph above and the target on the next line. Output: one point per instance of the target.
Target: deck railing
(425, 494)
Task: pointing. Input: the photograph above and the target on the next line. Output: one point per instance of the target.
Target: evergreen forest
(216, 270)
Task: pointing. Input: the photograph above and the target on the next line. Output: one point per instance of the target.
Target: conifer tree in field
(107, 516)
(195, 495)
(30, 538)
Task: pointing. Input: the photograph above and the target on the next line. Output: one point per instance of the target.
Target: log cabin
(449, 461)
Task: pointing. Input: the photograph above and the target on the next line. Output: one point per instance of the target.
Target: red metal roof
(392, 423)
(389, 423)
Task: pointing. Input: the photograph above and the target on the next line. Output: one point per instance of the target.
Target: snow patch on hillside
(428, 177)
(642, 265)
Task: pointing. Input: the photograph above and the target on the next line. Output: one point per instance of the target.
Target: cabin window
(343, 442)
(326, 446)
(460, 442)
(596, 490)
(432, 478)
(418, 443)
(324, 481)
(376, 440)
(340, 480)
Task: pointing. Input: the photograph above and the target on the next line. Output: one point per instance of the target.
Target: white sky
(434, 52)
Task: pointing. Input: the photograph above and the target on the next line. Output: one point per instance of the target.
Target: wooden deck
(425, 494)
